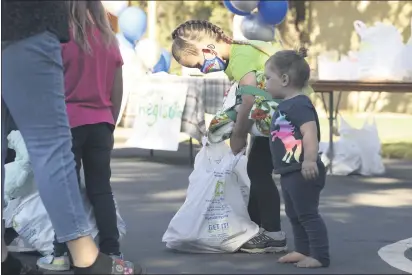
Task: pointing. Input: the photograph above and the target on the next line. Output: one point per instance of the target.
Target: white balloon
(237, 32)
(149, 52)
(115, 7)
(246, 6)
(253, 29)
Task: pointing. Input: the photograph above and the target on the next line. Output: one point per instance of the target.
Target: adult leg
(4, 129)
(60, 259)
(305, 198)
(266, 194)
(96, 161)
(33, 91)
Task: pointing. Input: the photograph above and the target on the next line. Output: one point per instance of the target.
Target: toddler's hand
(310, 170)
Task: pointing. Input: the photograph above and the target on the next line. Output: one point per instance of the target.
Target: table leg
(331, 120)
(191, 151)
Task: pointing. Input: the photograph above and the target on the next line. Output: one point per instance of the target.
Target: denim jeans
(92, 146)
(33, 96)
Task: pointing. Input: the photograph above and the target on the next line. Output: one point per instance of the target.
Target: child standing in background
(294, 144)
(94, 88)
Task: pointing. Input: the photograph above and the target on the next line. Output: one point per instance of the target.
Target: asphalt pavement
(362, 215)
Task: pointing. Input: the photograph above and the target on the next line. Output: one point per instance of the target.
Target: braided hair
(292, 63)
(196, 31)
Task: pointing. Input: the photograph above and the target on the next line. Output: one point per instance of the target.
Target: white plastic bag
(28, 217)
(381, 45)
(347, 154)
(358, 151)
(405, 58)
(19, 177)
(368, 140)
(214, 216)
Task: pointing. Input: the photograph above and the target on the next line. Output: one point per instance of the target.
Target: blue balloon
(133, 23)
(123, 41)
(230, 7)
(273, 12)
(168, 58)
(161, 66)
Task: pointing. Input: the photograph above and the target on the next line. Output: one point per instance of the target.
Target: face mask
(211, 65)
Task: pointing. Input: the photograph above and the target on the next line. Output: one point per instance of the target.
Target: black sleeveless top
(22, 19)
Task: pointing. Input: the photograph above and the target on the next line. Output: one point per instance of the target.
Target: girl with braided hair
(203, 45)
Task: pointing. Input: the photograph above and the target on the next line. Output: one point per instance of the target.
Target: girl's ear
(209, 53)
(211, 46)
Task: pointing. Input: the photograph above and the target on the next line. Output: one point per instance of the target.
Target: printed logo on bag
(15, 225)
(219, 188)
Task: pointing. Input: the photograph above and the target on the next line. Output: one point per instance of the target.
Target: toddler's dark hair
(293, 64)
(196, 30)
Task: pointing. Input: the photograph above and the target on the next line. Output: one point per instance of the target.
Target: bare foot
(292, 257)
(309, 262)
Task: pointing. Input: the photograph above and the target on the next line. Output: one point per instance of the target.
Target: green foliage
(400, 150)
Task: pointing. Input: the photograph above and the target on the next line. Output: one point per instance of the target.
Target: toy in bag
(214, 217)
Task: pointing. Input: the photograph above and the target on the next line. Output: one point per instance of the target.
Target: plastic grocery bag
(405, 58)
(214, 216)
(347, 153)
(368, 140)
(358, 151)
(380, 48)
(28, 217)
(19, 177)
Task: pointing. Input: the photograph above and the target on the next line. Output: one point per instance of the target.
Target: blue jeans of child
(33, 96)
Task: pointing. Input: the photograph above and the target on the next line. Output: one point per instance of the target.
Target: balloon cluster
(259, 25)
(133, 25)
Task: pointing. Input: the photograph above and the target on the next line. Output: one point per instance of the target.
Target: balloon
(168, 58)
(149, 52)
(133, 23)
(161, 66)
(123, 42)
(115, 7)
(237, 32)
(245, 6)
(273, 12)
(230, 7)
(254, 29)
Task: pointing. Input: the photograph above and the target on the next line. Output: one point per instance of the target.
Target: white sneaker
(52, 263)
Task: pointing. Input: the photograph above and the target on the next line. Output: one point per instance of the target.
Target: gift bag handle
(360, 27)
(234, 158)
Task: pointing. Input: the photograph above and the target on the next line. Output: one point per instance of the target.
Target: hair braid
(202, 27)
(195, 31)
